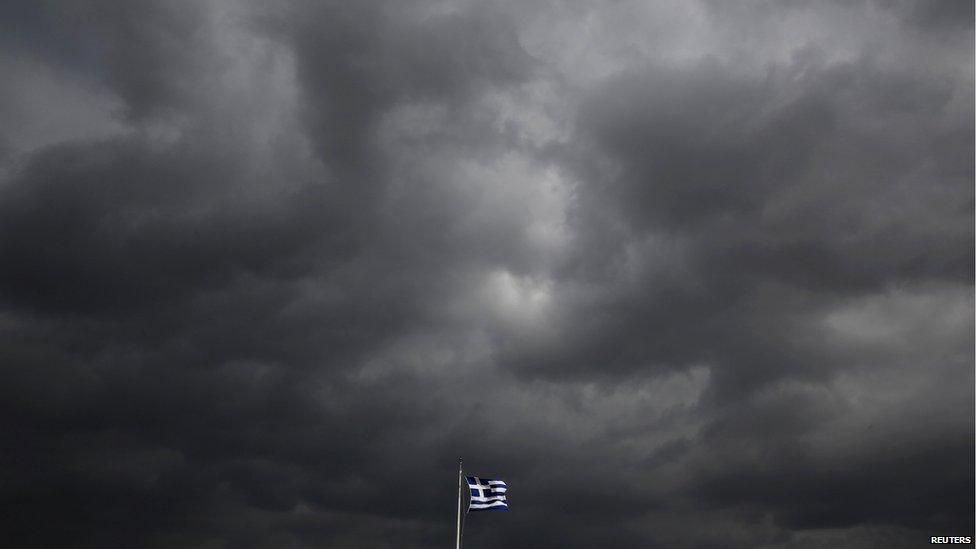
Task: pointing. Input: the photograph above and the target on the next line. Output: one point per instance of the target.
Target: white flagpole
(459, 506)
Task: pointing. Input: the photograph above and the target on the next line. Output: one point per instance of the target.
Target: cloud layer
(684, 274)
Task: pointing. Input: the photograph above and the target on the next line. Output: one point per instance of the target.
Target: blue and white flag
(486, 494)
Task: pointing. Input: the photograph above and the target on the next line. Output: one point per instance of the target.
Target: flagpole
(459, 506)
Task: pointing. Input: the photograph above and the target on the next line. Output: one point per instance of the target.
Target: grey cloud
(677, 294)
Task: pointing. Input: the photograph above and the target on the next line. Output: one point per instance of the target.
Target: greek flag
(486, 494)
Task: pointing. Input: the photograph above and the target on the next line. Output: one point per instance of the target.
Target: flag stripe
(486, 507)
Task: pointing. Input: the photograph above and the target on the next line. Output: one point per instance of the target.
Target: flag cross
(480, 487)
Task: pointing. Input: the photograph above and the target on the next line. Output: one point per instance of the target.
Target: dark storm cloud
(748, 221)
(149, 52)
(265, 273)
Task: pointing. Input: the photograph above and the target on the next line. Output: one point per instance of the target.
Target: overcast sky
(684, 274)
